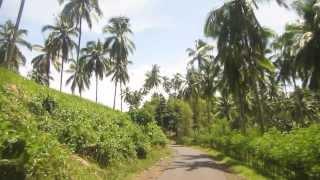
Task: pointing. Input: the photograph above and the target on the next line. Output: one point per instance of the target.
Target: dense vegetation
(255, 99)
(290, 155)
(41, 129)
(252, 94)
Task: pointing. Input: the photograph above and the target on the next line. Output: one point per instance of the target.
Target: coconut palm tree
(38, 77)
(225, 107)
(208, 83)
(11, 47)
(62, 35)
(123, 80)
(95, 56)
(133, 98)
(42, 63)
(241, 49)
(79, 77)
(79, 10)
(200, 53)
(153, 78)
(305, 36)
(17, 58)
(192, 93)
(167, 85)
(119, 74)
(193, 84)
(177, 84)
(284, 56)
(120, 47)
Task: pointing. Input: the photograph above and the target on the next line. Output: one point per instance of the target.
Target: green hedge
(291, 155)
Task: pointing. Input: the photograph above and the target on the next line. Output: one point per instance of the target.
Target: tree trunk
(48, 71)
(294, 83)
(14, 36)
(115, 95)
(208, 109)
(194, 102)
(260, 107)
(285, 88)
(1, 1)
(226, 105)
(97, 88)
(80, 35)
(241, 106)
(61, 75)
(121, 96)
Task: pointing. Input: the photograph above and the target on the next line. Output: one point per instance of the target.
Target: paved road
(190, 164)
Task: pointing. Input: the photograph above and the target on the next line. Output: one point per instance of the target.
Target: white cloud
(274, 16)
(141, 12)
(42, 12)
(35, 11)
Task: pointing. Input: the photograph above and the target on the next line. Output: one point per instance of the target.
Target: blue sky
(163, 30)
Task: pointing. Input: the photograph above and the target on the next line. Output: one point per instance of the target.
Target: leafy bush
(53, 125)
(152, 133)
(24, 151)
(174, 116)
(155, 134)
(141, 116)
(181, 113)
(292, 155)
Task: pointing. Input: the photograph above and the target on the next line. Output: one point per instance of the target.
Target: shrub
(141, 116)
(13, 155)
(40, 105)
(291, 155)
(26, 152)
(143, 143)
(181, 113)
(155, 134)
(52, 127)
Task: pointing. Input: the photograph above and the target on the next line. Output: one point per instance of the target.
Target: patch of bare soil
(155, 171)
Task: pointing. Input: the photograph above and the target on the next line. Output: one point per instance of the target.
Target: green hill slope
(45, 134)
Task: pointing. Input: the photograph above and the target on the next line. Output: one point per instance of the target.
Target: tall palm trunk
(80, 36)
(225, 104)
(208, 108)
(285, 88)
(14, 35)
(97, 87)
(260, 107)
(61, 75)
(115, 95)
(48, 71)
(241, 107)
(121, 96)
(294, 83)
(195, 102)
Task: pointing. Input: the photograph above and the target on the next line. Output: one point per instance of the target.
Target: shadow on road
(194, 162)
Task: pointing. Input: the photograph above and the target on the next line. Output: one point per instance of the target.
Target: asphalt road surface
(191, 164)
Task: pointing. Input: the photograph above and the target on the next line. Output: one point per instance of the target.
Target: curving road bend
(190, 164)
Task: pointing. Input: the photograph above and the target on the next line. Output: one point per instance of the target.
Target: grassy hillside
(51, 135)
